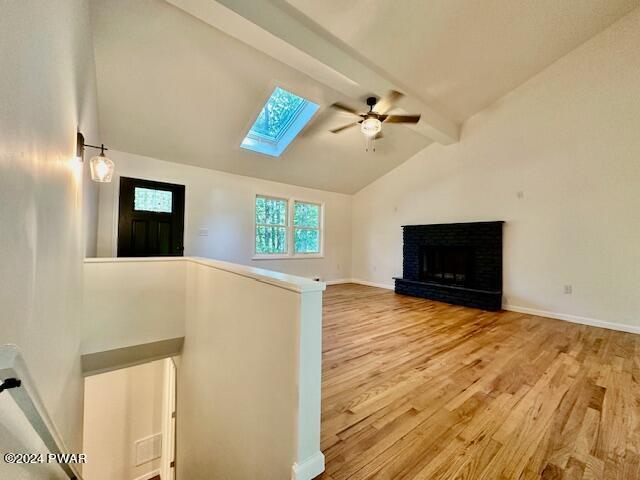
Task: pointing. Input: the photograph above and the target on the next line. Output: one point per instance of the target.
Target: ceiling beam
(280, 31)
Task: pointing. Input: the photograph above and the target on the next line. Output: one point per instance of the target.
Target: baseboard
(592, 322)
(148, 476)
(372, 284)
(360, 282)
(310, 468)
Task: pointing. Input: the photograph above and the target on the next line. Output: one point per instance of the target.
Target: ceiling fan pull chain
(370, 144)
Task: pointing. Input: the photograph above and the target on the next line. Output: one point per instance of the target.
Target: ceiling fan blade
(344, 108)
(401, 118)
(344, 127)
(387, 102)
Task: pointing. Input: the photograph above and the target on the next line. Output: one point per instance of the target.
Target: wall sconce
(102, 168)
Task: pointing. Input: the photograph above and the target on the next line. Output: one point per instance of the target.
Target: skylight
(279, 122)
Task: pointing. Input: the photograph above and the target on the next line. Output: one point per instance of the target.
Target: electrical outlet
(203, 232)
(520, 194)
(568, 289)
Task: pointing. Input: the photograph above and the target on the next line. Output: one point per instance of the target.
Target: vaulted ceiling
(462, 55)
(183, 80)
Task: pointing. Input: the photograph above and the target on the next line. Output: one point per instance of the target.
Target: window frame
(294, 227)
(290, 228)
(285, 226)
(152, 189)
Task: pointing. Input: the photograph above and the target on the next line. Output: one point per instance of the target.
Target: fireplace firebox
(448, 265)
(459, 263)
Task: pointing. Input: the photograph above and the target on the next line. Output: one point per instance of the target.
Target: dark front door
(151, 218)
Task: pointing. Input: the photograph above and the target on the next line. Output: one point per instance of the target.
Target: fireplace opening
(447, 265)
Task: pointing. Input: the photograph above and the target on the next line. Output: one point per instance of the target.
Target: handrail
(22, 388)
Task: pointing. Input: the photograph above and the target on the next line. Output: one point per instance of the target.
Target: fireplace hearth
(459, 263)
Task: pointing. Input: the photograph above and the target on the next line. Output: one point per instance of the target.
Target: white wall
(250, 366)
(569, 140)
(248, 402)
(120, 408)
(47, 90)
(131, 302)
(223, 204)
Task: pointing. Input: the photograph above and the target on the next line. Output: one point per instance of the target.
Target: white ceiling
(173, 87)
(462, 55)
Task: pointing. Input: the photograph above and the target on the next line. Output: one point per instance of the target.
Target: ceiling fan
(371, 122)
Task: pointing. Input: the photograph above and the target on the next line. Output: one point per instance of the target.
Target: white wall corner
(309, 461)
(309, 469)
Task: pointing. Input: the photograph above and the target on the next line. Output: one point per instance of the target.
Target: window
(271, 225)
(278, 123)
(150, 200)
(306, 227)
(287, 228)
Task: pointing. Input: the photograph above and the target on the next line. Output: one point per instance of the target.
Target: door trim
(169, 406)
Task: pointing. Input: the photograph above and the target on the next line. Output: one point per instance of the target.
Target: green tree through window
(277, 114)
(306, 227)
(274, 230)
(271, 225)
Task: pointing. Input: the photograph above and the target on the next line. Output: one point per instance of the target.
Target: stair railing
(16, 381)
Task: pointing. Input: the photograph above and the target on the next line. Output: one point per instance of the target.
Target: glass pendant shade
(371, 127)
(101, 169)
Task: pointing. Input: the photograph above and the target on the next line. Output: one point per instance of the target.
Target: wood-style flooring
(415, 389)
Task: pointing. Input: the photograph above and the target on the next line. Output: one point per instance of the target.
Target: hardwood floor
(414, 389)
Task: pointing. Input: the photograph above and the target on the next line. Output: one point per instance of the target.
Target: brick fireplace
(459, 263)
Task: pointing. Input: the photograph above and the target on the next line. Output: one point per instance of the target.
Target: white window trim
(290, 255)
(263, 256)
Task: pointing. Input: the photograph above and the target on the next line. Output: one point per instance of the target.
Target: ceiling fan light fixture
(371, 126)
(371, 121)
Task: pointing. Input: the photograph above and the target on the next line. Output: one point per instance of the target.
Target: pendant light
(101, 166)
